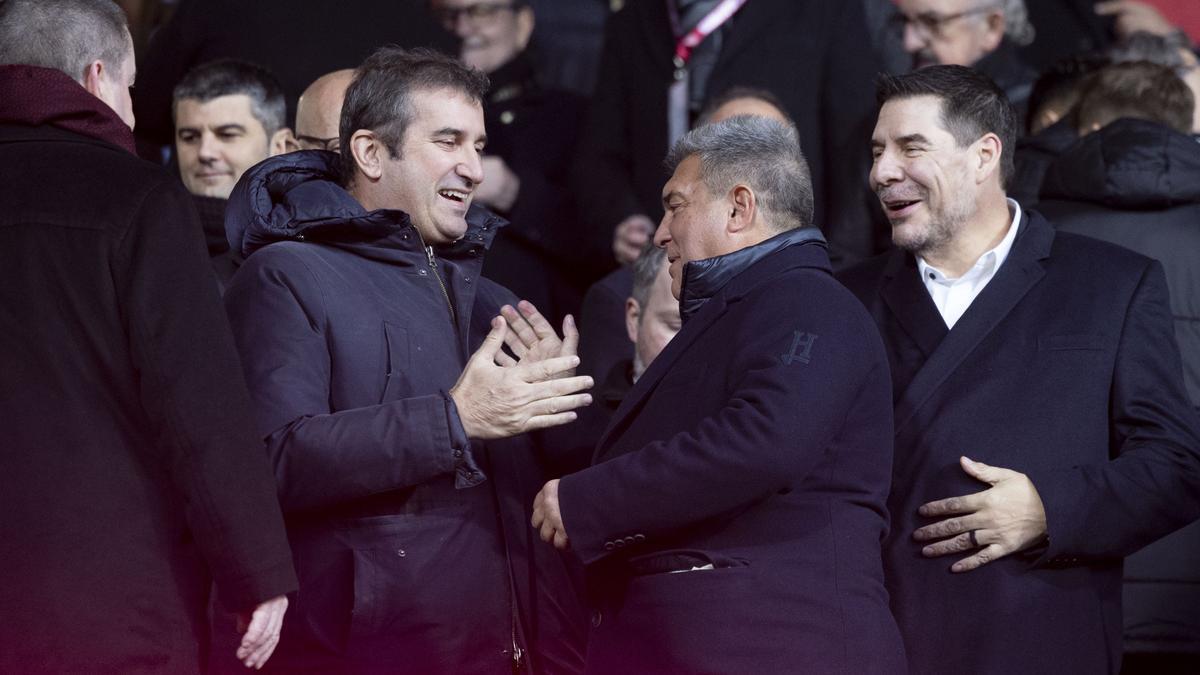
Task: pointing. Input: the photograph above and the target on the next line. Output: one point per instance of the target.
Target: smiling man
(733, 518)
(229, 116)
(1042, 430)
(372, 348)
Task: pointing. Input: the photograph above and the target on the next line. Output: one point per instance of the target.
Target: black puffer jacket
(1137, 184)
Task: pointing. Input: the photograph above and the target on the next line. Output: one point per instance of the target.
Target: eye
(447, 143)
(912, 151)
(187, 137)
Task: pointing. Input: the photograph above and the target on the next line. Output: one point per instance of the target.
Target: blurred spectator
(1051, 129)
(983, 35)
(229, 116)
(1172, 50)
(1065, 28)
(567, 42)
(815, 56)
(297, 41)
(1135, 181)
(543, 255)
(602, 336)
(319, 111)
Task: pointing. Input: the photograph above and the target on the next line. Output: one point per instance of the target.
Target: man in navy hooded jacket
(733, 518)
(356, 314)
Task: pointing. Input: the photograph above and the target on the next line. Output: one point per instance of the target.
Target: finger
(560, 540)
(982, 472)
(949, 527)
(956, 544)
(547, 369)
(558, 404)
(263, 652)
(256, 634)
(519, 325)
(952, 506)
(494, 340)
(547, 421)
(541, 327)
(1109, 7)
(504, 360)
(982, 557)
(275, 610)
(570, 344)
(546, 532)
(515, 344)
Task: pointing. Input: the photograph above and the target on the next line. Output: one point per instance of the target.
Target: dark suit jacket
(767, 461)
(1064, 368)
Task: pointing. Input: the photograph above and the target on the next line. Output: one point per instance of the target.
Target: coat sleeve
(192, 389)
(1151, 486)
(778, 420)
(324, 457)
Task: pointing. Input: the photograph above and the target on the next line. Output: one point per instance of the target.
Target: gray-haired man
(737, 503)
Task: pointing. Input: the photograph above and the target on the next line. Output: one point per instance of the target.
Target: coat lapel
(909, 301)
(662, 364)
(1020, 272)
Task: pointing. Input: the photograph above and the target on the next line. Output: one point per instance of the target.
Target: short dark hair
(734, 93)
(379, 98)
(972, 105)
(66, 35)
(645, 272)
(1061, 84)
(1137, 89)
(228, 77)
(762, 153)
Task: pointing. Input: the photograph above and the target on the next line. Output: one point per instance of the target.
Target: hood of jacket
(1129, 164)
(297, 197)
(703, 278)
(34, 96)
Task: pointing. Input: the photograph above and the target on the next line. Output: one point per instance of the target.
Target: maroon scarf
(34, 96)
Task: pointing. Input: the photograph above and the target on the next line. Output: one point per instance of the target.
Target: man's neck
(984, 232)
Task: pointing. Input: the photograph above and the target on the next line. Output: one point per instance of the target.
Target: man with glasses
(319, 111)
(982, 34)
(532, 132)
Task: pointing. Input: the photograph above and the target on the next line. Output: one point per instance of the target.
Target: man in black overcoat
(1042, 429)
(733, 516)
(130, 475)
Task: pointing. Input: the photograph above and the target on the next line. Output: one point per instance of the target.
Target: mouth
(898, 208)
(459, 198)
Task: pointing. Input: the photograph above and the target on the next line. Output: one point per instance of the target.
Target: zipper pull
(432, 260)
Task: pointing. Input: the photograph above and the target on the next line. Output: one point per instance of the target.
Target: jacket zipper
(441, 284)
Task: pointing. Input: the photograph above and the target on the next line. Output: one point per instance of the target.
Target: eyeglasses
(315, 143)
(930, 24)
(478, 13)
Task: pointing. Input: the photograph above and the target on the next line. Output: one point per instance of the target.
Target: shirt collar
(989, 262)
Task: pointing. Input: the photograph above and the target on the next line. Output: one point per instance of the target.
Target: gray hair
(228, 77)
(761, 153)
(1017, 27)
(66, 35)
(645, 272)
(1164, 50)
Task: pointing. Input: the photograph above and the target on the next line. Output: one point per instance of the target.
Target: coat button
(401, 552)
(608, 546)
(639, 538)
(620, 543)
(629, 540)
(597, 617)
(457, 453)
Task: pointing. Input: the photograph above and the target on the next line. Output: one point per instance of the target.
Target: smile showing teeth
(899, 205)
(454, 195)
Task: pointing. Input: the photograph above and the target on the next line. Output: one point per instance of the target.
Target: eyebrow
(913, 138)
(457, 133)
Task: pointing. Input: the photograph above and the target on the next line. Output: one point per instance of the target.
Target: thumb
(494, 340)
(982, 472)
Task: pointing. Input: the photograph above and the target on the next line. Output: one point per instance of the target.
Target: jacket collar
(297, 196)
(703, 278)
(33, 96)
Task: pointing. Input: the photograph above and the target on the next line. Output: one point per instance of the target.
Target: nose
(471, 167)
(207, 152)
(913, 40)
(885, 170)
(663, 233)
(463, 26)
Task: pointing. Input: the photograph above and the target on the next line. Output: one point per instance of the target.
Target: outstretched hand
(496, 401)
(531, 337)
(1003, 519)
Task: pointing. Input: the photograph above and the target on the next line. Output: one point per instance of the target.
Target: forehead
(219, 111)
(942, 7)
(446, 108)
(686, 176)
(908, 116)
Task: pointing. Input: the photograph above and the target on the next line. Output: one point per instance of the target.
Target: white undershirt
(953, 296)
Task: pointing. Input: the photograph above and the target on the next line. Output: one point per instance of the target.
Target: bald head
(319, 110)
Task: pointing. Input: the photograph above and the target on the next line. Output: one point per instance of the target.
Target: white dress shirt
(953, 296)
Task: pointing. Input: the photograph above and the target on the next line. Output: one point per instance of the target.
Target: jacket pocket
(1057, 343)
(396, 341)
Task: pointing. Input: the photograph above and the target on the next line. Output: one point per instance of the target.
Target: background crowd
(585, 97)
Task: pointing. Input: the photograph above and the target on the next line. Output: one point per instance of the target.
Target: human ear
(525, 24)
(994, 29)
(366, 149)
(283, 141)
(633, 316)
(989, 153)
(743, 208)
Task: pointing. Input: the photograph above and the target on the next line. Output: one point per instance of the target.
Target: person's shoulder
(865, 275)
(1096, 256)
